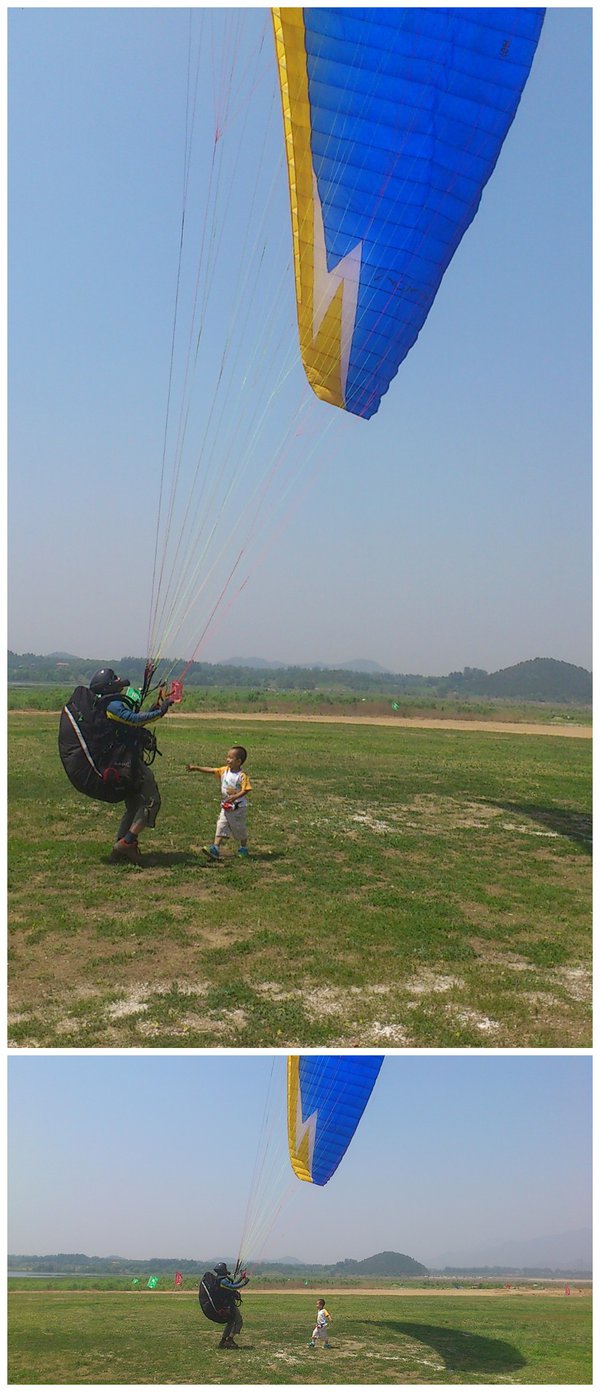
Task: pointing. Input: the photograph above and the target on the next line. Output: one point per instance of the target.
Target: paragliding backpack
(96, 761)
(215, 1303)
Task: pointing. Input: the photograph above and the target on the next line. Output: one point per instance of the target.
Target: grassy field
(406, 887)
(203, 699)
(147, 1337)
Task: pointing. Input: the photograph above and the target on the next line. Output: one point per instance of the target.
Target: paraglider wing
(393, 121)
(327, 1096)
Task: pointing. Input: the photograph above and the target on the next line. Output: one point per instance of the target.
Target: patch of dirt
(271, 990)
(542, 998)
(215, 1020)
(148, 1030)
(480, 1022)
(131, 1005)
(41, 973)
(526, 829)
(430, 983)
(476, 814)
(394, 1035)
(225, 1022)
(487, 952)
(371, 822)
(136, 1000)
(428, 814)
(324, 1001)
(577, 981)
(64, 1026)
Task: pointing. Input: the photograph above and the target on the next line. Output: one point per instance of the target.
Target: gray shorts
(232, 823)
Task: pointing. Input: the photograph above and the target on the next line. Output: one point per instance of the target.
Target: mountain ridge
(388, 1264)
(534, 680)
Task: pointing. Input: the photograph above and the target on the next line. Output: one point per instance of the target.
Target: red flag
(567, 1290)
(178, 1278)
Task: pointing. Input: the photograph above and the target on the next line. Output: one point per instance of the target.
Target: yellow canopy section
(299, 1154)
(326, 300)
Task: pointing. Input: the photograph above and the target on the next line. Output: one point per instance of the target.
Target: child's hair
(241, 752)
(320, 1302)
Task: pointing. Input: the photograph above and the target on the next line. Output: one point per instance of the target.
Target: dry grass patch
(487, 952)
(474, 1019)
(191, 1026)
(578, 982)
(394, 1036)
(429, 983)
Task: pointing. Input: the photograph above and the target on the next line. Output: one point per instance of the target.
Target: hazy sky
(154, 1156)
(451, 529)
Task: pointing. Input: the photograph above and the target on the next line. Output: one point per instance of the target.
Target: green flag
(135, 1282)
(152, 1282)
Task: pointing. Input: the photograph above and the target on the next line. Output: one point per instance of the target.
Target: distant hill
(358, 664)
(542, 679)
(382, 1264)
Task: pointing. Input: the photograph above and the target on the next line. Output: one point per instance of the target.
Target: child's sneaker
(243, 851)
(212, 851)
(311, 1343)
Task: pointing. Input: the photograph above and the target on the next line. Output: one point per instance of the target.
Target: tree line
(540, 679)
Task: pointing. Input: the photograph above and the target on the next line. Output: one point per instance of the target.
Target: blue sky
(453, 529)
(154, 1155)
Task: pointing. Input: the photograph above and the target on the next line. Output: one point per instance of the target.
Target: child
(319, 1334)
(235, 785)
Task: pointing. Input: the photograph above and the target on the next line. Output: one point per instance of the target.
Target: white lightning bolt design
(325, 284)
(302, 1127)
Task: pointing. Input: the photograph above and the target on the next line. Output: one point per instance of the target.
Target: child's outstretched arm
(199, 768)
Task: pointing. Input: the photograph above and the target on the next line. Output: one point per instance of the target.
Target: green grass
(146, 1337)
(406, 887)
(204, 699)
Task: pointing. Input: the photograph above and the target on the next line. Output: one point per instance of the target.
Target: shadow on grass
(196, 859)
(162, 859)
(232, 857)
(239, 1348)
(461, 1352)
(575, 826)
(154, 859)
